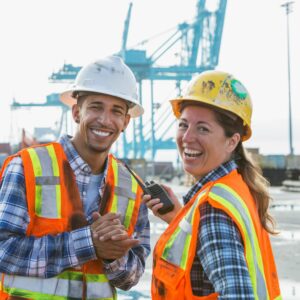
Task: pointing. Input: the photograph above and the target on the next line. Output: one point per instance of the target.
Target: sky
(39, 36)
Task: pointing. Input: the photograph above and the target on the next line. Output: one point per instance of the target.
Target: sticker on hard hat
(238, 89)
(208, 86)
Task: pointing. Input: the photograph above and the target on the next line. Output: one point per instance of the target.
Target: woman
(216, 246)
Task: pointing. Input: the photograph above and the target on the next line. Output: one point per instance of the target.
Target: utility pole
(288, 10)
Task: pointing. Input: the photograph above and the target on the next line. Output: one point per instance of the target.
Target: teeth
(100, 133)
(192, 152)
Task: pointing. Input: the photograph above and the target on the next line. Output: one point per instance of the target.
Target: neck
(95, 160)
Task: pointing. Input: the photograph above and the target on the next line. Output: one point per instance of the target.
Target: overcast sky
(38, 36)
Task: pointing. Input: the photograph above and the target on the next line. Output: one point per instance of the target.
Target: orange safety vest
(176, 249)
(54, 206)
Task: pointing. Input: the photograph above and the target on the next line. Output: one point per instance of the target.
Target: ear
(126, 122)
(233, 142)
(76, 113)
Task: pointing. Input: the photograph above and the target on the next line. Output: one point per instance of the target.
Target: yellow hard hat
(221, 90)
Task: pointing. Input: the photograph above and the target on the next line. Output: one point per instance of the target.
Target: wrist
(83, 244)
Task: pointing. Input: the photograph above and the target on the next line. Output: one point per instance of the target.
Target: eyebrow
(199, 122)
(100, 103)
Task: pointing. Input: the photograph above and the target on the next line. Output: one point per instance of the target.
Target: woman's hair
(249, 170)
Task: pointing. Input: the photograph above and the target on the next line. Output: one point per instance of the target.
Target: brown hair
(249, 170)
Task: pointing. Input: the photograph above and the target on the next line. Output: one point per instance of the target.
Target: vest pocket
(168, 273)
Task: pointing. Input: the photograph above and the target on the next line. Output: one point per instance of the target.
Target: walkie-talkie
(156, 191)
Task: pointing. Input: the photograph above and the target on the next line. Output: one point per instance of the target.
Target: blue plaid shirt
(49, 255)
(220, 264)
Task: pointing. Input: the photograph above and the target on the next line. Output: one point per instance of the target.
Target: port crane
(52, 100)
(198, 42)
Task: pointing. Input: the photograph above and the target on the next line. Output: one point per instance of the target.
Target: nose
(104, 117)
(189, 135)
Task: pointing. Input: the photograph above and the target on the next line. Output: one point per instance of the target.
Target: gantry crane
(199, 43)
(52, 100)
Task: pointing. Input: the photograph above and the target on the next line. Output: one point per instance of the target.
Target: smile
(101, 133)
(191, 153)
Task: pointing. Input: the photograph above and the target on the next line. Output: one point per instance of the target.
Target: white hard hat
(108, 76)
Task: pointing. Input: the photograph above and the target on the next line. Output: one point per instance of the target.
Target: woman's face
(201, 141)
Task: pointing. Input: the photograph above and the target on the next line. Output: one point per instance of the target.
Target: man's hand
(110, 238)
(108, 227)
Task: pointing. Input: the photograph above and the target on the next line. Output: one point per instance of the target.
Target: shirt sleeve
(125, 272)
(221, 253)
(23, 255)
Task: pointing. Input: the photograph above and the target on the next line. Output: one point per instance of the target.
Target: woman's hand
(154, 204)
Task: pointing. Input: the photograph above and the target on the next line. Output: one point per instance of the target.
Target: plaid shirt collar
(213, 175)
(78, 165)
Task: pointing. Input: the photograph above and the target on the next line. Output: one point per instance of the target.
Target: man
(72, 224)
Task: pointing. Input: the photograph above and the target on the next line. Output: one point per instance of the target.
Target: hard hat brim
(175, 103)
(67, 99)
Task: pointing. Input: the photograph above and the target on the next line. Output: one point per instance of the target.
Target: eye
(95, 107)
(202, 129)
(118, 112)
(182, 125)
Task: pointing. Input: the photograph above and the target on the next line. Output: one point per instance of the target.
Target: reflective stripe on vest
(123, 199)
(98, 287)
(177, 248)
(47, 185)
(65, 286)
(228, 198)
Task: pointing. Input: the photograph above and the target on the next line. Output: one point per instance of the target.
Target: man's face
(101, 119)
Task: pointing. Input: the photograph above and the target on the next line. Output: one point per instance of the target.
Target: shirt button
(84, 193)
(86, 169)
